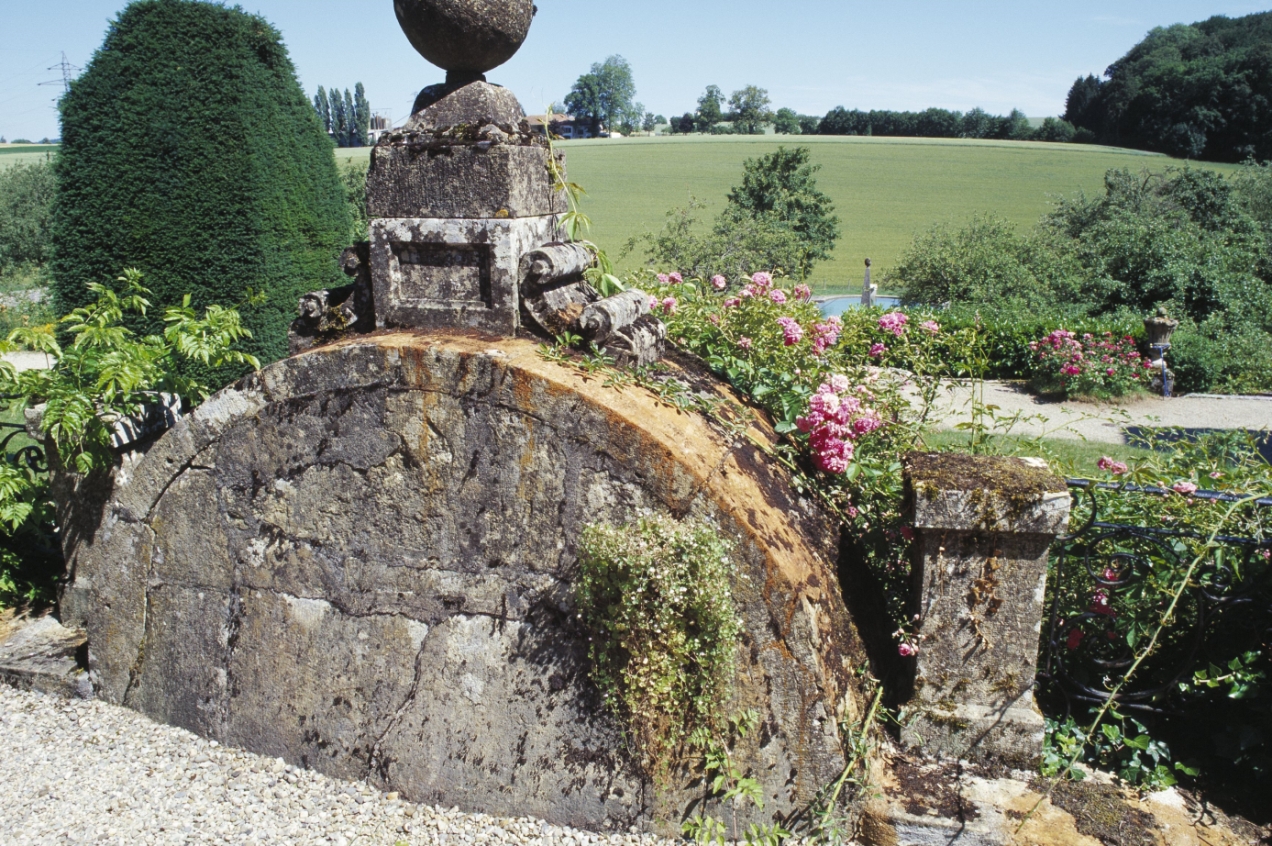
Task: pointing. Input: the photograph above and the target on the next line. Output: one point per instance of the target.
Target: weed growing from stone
(656, 599)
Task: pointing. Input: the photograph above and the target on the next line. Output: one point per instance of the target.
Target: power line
(68, 73)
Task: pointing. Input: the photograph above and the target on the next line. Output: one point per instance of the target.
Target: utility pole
(68, 73)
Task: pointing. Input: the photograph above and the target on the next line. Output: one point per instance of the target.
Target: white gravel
(87, 772)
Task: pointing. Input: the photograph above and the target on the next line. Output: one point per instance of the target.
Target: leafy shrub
(987, 263)
(1087, 365)
(26, 201)
(657, 597)
(106, 372)
(775, 221)
(199, 167)
(1005, 332)
(1189, 240)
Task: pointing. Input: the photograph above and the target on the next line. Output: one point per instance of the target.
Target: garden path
(1103, 422)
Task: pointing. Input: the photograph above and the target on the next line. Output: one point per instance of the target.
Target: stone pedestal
(984, 527)
(457, 273)
(457, 198)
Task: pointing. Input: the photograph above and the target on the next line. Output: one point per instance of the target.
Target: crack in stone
(375, 764)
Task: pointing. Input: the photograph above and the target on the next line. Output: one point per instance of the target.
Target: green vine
(656, 597)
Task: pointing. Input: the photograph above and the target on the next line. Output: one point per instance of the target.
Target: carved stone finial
(466, 38)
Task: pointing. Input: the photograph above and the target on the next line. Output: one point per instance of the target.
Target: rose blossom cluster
(894, 322)
(1090, 363)
(834, 420)
(1117, 468)
(792, 332)
(825, 335)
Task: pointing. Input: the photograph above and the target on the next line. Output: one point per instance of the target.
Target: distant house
(563, 126)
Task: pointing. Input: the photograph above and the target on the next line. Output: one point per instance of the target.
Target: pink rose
(778, 296)
(792, 332)
(675, 278)
(803, 293)
(761, 280)
(1185, 488)
(907, 650)
(877, 350)
(663, 279)
(669, 305)
(719, 283)
(653, 303)
(931, 326)
(744, 343)
(732, 302)
(894, 322)
(1117, 468)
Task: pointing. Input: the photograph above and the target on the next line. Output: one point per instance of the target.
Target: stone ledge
(39, 654)
(986, 494)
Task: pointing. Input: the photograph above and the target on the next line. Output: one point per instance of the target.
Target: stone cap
(983, 493)
(475, 104)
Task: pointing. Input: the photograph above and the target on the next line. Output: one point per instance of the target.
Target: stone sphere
(465, 36)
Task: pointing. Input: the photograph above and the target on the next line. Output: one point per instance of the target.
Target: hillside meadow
(885, 189)
(11, 154)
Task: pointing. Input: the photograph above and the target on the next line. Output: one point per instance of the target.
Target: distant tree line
(749, 112)
(944, 123)
(1199, 91)
(346, 117)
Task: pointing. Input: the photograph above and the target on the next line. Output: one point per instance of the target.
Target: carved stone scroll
(641, 342)
(552, 264)
(602, 319)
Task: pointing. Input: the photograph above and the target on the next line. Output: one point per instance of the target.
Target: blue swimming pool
(835, 306)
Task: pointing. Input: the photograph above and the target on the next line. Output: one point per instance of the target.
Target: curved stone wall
(360, 559)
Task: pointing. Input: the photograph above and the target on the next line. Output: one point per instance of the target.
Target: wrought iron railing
(1104, 570)
(29, 455)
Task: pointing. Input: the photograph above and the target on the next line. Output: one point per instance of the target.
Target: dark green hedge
(189, 151)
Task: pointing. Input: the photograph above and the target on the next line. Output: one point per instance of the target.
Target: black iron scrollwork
(29, 455)
(1104, 568)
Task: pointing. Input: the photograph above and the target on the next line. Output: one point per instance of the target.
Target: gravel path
(1105, 423)
(75, 771)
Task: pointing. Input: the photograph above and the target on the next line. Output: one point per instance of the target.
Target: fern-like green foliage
(656, 596)
(107, 371)
(190, 152)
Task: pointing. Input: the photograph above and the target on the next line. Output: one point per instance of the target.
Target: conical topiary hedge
(189, 151)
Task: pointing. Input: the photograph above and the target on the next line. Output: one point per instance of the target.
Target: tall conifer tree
(206, 169)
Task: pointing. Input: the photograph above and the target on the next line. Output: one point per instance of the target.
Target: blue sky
(811, 55)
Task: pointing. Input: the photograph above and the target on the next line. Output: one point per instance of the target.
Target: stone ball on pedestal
(465, 37)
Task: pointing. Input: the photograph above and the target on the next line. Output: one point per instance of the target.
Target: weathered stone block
(452, 273)
(367, 569)
(476, 181)
(985, 525)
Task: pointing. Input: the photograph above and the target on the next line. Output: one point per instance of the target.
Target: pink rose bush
(836, 417)
(1101, 367)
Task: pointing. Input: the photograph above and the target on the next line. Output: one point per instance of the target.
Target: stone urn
(1159, 329)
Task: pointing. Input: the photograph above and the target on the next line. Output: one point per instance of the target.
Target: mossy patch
(1098, 811)
(1013, 479)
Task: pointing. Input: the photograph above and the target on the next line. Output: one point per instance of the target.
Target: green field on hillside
(11, 154)
(885, 189)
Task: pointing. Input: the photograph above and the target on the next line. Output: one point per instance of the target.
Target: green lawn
(885, 189)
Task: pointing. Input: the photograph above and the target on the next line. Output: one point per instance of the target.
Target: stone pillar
(984, 527)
